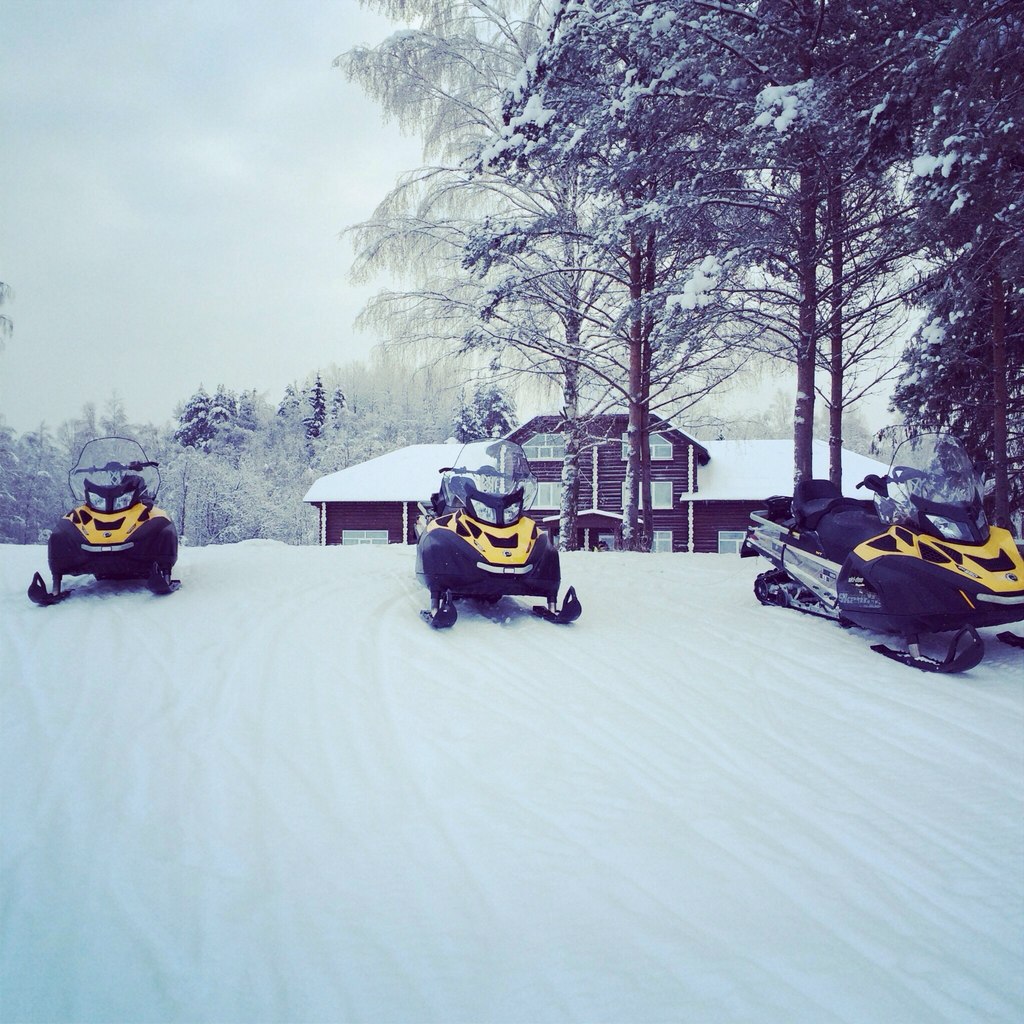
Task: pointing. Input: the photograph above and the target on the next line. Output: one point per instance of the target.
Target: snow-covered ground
(278, 796)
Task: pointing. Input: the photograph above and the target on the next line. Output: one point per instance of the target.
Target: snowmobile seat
(812, 499)
(846, 526)
(841, 523)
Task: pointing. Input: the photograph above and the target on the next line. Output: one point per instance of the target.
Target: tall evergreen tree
(337, 409)
(195, 429)
(611, 103)
(290, 405)
(223, 408)
(315, 419)
(966, 365)
(490, 413)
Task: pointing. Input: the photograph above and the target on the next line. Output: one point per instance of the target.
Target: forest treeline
(234, 465)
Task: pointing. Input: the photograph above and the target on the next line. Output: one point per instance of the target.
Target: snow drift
(277, 796)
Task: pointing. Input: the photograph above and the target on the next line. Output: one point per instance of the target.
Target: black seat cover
(812, 499)
(841, 523)
(843, 529)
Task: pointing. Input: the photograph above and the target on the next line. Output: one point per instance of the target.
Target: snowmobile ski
(38, 594)
(569, 612)
(965, 651)
(444, 615)
(160, 583)
(157, 582)
(1011, 638)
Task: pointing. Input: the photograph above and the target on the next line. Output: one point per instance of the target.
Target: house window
(661, 540)
(545, 448)
(661, 494)
(661, 448)
(549, 494)
(659, 445)
(364, 536)
(730, 541)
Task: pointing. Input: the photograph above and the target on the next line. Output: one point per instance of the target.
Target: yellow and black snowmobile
(921, 558)
(476, 541)
(115, 532)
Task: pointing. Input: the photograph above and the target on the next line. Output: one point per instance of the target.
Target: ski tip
(965, 651)
(1011, 639)
(569, 612)
(445, 615)
(160, 583)
(571, 607)
(40, 595)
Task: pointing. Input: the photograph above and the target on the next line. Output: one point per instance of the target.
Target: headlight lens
(123, 501)
(96, 501)
(512, 512)
(951, 529)
(484, 512)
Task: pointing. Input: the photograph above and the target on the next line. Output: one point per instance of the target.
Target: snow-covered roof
(408, 474)
(738, 470)
(741, 470)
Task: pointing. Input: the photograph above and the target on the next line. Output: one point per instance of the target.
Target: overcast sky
(174, 178)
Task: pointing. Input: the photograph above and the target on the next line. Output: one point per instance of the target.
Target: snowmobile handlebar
(876, 483)
(880, 484)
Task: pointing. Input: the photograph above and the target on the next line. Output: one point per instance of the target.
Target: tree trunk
(806, 355)
(634, 430)
(835, 407)
(569, 507)
(1000, 399)
(646, 358)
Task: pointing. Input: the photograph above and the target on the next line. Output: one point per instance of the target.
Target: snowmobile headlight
(96, 501)
(951, 529)
(513, 512)
(484, 512)
(123, 501)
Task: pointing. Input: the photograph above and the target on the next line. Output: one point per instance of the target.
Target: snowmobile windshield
(492, 481)
(112, 474)
(932, 485)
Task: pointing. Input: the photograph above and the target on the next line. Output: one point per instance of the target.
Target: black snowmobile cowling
(475, 540)
(116, 532)
(920, 559)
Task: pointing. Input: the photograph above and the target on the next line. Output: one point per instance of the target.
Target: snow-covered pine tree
(290, 405)
(32, 486)
(195, 429)
(489, 413)
(223, 408)
(252, 410)
(807, 83)
(337, 408)
(315, 419)
(465, 423)
(966, 365)
(617, 100)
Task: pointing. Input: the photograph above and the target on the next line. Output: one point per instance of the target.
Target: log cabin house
(702, 494)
